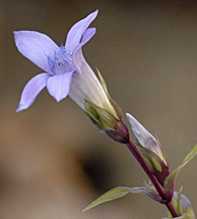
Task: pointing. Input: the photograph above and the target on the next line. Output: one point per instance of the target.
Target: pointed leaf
(121, 191)
(190, 156)
(170, 180)
(115, 193)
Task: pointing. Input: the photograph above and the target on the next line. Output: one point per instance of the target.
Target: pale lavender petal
(79, 61)
(87, 36)
(35, 46)
(78, 57)
(85, 85)
(76, 32)
(31, 90)
(59, 85)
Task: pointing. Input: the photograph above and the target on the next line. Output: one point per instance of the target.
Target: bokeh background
(53, 161)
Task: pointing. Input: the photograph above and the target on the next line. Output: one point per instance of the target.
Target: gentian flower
(90, 92)
(59, 63)
(67, 73)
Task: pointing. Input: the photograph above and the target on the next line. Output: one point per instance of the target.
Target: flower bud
(150, 149)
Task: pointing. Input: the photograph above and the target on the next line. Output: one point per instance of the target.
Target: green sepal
(156, 164)
(152, 159)
(102, 81)
(104, 85)
(112, 126)
(171, 179)
(101, 117)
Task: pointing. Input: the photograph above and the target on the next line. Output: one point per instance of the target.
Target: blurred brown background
(53, 161)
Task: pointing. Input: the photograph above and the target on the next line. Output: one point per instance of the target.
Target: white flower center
(61, 62)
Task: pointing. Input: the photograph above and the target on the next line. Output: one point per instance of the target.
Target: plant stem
(133, 149)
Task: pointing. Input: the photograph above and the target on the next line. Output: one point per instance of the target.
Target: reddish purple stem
(133, 149)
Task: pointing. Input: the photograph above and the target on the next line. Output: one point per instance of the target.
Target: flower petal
(78, 58)
(35, 46)
(31, 90)
(85, 85)
(77, 30)
(87, 36)
(59, 85)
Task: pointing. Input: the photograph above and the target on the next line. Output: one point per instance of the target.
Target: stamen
(62, 62)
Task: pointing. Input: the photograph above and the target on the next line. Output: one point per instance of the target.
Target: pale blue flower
(59, 63)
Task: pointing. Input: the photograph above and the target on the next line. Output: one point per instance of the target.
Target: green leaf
(121, 191)
(170, 180)
(115, 193)
(190, 156)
